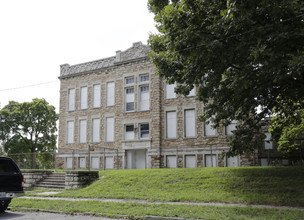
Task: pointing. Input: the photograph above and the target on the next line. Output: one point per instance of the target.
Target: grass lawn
(249, 185)
(136, 210)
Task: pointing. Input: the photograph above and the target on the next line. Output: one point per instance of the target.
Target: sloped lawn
(250, 185)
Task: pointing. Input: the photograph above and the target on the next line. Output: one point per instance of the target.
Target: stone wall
(31, 177)
(76, 179)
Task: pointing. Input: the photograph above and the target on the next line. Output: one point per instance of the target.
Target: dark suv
(11, 181)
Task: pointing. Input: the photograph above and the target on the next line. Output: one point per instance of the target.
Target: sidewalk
(170, 203)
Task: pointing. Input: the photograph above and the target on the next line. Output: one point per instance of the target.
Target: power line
(21, 87)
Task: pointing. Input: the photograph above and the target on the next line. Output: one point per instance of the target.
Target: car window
(7, 166)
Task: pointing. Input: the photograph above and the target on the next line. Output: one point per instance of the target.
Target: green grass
(136, 210)
(249, 185)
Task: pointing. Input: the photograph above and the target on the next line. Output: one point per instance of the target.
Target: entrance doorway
(136, 159)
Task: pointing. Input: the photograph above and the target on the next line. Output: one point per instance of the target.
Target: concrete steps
(53, 181)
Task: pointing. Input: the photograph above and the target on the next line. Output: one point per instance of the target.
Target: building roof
(136, 52)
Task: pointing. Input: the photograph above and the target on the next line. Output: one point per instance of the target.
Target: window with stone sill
(209, 129)
(110, 93)
(96, 96)
(189, 123)
(144, 98)
(144, 131)
(70, 132)
(83, 97)
(71, 99)
(129, 132)
(231, 127)
(171, 124)
(129, 99)
(170, 93)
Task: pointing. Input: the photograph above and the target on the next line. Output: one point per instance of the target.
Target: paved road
(44, 216)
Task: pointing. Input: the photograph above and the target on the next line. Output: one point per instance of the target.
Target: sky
(37, 36)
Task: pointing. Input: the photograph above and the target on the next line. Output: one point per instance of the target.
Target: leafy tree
(241, 55)
(287, 128)
(28, 127)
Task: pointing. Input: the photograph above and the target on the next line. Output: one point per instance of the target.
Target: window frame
(144, 75)
(170, 126)
(83, 134)
(210, 124)
(231, 127)
(98, 131)
(110, 98)
(169, 89)
(125, 132)
(72, 138)
(194, 123)
(83, 97)
(140, 102)
(141, 131)
(112, 131)
(71, 99)
(96, 96)
(129, 83)
(126, 99)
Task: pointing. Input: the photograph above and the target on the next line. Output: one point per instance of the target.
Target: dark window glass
(7, 166)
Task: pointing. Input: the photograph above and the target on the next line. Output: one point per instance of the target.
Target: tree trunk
(33, 156)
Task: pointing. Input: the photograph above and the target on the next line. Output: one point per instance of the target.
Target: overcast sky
(37, 36)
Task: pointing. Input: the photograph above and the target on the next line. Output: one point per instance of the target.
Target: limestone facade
(128, 127)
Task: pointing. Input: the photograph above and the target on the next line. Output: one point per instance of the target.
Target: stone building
(115, 113)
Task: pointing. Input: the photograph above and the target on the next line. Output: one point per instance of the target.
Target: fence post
(55, 160)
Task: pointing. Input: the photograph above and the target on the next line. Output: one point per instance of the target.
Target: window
(82, 162)
(171, 161)
(144, 131)
(144, 98)
(190, 123)
(192, 92)
(170, 94)
(95, 162)
(70, 132)
(210, 160)
(129, 99)
(83, 131)
(231, 127)
(83, 97)
(268, 142)
(129, 80)
(110, 93)
(129, 132)
(110, 129)
(71, 106)
(96, 96)
(109, 162)
(209, 130)
(144, 78)
(190, 161)
(69, 163)
(96, 130)
(171, 124)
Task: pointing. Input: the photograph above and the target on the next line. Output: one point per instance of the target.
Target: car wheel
(4, 205)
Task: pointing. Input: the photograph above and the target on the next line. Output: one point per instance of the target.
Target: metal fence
(45, 160)
(102, 159)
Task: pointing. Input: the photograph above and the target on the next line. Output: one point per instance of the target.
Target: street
(45, 216)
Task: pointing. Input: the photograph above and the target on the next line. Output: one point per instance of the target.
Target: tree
(287, 128)
(241, 55)
(28, 127)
